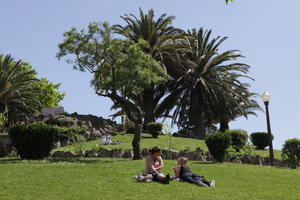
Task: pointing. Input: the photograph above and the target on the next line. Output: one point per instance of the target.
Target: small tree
(217, 144)
(49, 95)
(291, 152)
(33, 141)
(122, 70)
(154, 128)
(260, 140)
(239, 138)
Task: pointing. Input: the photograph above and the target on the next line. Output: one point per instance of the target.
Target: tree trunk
(196, 113)
(136, 142)
(148, 105)
(199, 129)
(223, 126)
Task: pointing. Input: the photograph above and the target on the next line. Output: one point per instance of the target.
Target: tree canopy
(134, 72)
(122, 69)
(22, 94)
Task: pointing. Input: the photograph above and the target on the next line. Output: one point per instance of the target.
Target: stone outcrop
(198, 155)
(64, 154)
(96, 127)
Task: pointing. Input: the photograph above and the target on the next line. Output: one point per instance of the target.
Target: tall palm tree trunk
(196, 116)
(148, 105)
(224, 126)
(199, 128)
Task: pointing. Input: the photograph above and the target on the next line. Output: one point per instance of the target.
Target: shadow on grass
(148, 137)
(59, 160)
(206, 162)
(10, 160)
(85, 161)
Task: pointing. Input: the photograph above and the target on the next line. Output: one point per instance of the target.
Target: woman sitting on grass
(154, 165)
(183, 172)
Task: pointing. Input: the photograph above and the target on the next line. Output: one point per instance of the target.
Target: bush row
(36, 140)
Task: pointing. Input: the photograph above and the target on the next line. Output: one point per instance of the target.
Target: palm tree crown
(209, 81)
(17, 96)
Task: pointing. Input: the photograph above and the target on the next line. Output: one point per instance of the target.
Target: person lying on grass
(184, 173)
(154, 166)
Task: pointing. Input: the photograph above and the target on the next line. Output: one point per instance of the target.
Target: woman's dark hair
(155, 149)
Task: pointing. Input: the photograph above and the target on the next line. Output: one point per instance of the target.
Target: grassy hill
(147, 141)
(104, 178)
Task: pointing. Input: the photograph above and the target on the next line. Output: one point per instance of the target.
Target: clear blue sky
(267, 32)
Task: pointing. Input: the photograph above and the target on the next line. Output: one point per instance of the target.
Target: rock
(87, 124)
(278, 163)
(189, 154)
(208, 157)
(200, 158)
(109, 129)
(266, 161)
(199, 155)
(170, 154)
(97, 133)
(58, 144)
(236, 161)
(127, 154)
(64, 154)
(106, 153)
(117, 153)
(247, 159)
(258, 160)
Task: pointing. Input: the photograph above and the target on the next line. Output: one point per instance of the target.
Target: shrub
(3, 119)
(154, 128)
(237, 155)
(61, 120)
(239, 138)
(260, 140)
(33, 141)
(217, 144)
(78, 143)
(67, 134)
(291, 152)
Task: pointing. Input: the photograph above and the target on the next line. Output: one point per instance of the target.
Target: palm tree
(16, 94)
(209, 81)
(246, 107)
(164, 41)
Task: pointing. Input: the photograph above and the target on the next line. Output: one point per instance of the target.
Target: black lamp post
(266, 100)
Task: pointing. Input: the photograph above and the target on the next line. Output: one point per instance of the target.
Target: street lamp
(266, 99)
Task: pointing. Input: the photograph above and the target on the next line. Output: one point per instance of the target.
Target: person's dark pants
(159, 177)
(194, 178)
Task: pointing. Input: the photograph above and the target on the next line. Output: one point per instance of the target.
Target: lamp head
(266, 97)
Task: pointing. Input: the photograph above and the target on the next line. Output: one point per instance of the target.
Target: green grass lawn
(105, 178)
(147, 141)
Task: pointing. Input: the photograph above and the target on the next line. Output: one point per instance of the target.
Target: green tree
(164, 42)
(122, 70)
(210, 81)
(21, 93)
(247, 107)
(49, 95)
(17, 97)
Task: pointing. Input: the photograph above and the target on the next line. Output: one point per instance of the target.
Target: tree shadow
(10, 160)
(63, 160)
(148, 137)
(206, 162)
